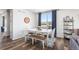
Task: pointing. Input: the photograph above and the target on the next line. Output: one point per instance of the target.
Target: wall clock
(26, 20)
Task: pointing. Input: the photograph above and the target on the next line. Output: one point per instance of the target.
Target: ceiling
(31, 10)
(39, 10)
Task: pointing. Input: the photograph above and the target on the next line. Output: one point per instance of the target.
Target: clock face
(26, 20)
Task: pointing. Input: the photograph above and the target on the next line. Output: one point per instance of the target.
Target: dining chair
(26, 37)
(51, 39)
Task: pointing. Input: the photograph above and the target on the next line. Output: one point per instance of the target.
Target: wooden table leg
(43, 44)
(32, 41)
(25, 38)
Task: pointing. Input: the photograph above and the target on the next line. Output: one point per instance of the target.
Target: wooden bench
(41, 38)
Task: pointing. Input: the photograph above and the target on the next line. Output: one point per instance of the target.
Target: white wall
(63, 13)
(8, 22)
(11, 24)
(18, 22)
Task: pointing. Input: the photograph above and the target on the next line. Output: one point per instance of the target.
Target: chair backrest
(52, 36)
(53, 32)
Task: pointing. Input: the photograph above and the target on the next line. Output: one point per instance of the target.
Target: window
(46, 18)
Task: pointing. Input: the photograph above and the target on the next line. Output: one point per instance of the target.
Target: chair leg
(43, 44)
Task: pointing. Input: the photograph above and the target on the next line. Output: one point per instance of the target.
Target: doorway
(2, 27)
(3, 24)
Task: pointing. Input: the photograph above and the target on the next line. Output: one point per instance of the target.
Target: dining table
(46, 32)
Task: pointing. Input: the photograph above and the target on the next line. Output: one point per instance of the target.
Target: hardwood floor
(59, 43)
(66, 44)
(20, 44)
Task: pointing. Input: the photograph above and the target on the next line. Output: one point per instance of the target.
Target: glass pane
(49, 18)
(46, 18)
(43, 19)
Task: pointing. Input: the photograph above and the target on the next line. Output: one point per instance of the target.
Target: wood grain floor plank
(20, 44)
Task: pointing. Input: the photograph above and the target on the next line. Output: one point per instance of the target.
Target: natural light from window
(46, 19)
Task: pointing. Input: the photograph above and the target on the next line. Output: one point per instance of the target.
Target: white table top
(42, 30)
